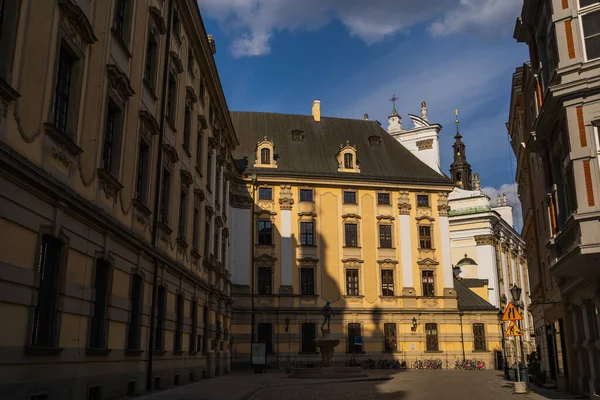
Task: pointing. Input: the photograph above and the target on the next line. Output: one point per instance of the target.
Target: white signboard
(413, 346)
(259, 353)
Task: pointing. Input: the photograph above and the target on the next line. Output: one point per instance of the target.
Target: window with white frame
(590, 25)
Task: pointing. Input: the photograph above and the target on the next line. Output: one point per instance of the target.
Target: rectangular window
(45, 319)
(133, 334)
(150, 67)
(99, 323)
(141, 186)
(387, 282)
(265, 193)
(265, 156)
(196, 229)
(383, 199)
(165, 197)
(182, 215)
(431, 337)
(62, 90)
(209, 171)
(194, 326)
(351, 235)
(179, 324)
(352, 288)
(190, 61)
(479, 337)
(428, 283)
(354, 338)
(349, 197)
(265, 233)
(171, 98)
(385, 236)
(348, 161)
(585, 3)
(424, 237)
(265, 335)
(161, 313)
(204, 329)
(308, 337)
(265, 285)
(422, 200)
(307, 281)
(120, 11)
(111, 139)
(207, 239)
(177, 25)
(306, 195)
(216, 243)
(202, 91)
(187, 127)
(389, 334)
(199, 153)
(307, 234)
(591, 34)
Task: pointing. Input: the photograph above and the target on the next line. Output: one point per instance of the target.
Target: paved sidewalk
(535, 393)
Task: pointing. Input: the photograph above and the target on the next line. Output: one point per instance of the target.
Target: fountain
(326, 345)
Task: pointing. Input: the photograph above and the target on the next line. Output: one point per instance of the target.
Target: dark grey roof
(469, 300)
(474, 282)
(315, 155)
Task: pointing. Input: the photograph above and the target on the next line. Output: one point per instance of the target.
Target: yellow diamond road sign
(511, 313)
(513, 330)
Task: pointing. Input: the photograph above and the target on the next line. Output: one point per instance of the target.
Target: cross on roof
(393, 100)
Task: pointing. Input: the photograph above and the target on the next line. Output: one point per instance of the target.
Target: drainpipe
(462, 337)
(159, 165)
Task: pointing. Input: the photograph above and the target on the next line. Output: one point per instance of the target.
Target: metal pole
(159, 165)
(504, 361)
(252, 265)
(462, 338)
(289, 349)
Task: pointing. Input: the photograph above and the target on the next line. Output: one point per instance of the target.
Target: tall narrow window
(348, 161)
(352, 288)
(428, 283)
(133, 334)
(187, 126)
(179, 324)
(424, 237)
(431, 337)
(195, 231)
(2, 6)
(207, 239)
(389, 334)
(99, 324)
(216, 243)
(307, 281)
(194, 326)
(141, 186)
(171, 98)
(209, 170)
(591, 34)
(182, 214)
(354, 338)
(111, 138)
(265, 233)
(120, 12)
(387, 282)
(479, 343)
(62, 90)
(45, 319)
(199, 153)
(307, 235)
(165, 197)
(161, 313)
(265, 285)
(204, 328)
(150, 67)
(308, 338)
(190, 61)
(351, 235)
(265, 335)
(265, 156)
(385, 236)
(177, 25)
(202, 91)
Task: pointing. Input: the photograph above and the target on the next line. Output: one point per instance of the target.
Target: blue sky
(280, 55)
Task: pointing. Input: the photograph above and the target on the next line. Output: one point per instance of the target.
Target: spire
(460, 169)
(395, 120)
(393, 100)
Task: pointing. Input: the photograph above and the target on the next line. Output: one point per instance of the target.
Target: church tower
(460, 169)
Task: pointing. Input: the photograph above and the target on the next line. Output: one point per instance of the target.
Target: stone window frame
(135, 272)
(353, 264)
(428, 195)
(265, 144)
(123, 38)
(265, 186)
(386, 220)
(305, 188)
(309, 263)
(426, 222)
(581, 13)
(389, 195)
(8, 38)
(307, 217)
(110, 260)
(482, 340)
(266, 262)
(433, 276)
(356, 220)
(388, 265)
(156, 29)
(179, 322)
(340, 157)
(437, 336)
(355, 191)
(112, 101)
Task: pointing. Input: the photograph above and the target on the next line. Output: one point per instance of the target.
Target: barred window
(431, 337)
(479, 337)
(389, 333)
(354, 338)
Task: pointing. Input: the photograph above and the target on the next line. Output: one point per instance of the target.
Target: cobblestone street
(406, 385)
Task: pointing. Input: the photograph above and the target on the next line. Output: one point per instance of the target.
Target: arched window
(458, 177)
(265, 156)
(348, 162)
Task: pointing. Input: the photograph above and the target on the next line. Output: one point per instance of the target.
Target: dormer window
(265, 154)
(347, 159)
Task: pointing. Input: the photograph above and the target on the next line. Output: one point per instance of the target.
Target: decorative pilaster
(404, 203)
(443, 206)
(286, 202)
(404, 224)
(486, 256)
(448, 274)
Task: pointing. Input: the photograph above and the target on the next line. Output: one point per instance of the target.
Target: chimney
(316, 110)
(366, 117)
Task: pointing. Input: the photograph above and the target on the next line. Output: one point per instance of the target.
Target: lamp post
(287, 329)
(252, 267)
(515, 292)
(504, 361)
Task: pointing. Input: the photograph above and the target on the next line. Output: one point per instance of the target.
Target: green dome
(466, 261)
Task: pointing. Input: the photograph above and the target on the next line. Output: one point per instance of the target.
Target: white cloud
(253, 23)
(511, 190)
(482, 17)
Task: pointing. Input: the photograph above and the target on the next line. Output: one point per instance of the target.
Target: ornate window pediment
(307, 261)
(265, 259)
(428, 263)
(119, 83)
(265, 154)
(347, 159)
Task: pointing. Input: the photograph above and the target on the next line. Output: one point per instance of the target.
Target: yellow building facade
(115, 163)
(343, 213)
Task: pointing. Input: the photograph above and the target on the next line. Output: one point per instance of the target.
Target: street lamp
(504, 361)
(287, 329)
(515, 292)
(414, 325)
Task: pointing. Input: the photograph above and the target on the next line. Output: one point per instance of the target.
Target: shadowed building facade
(345, 213)
(115, 163)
